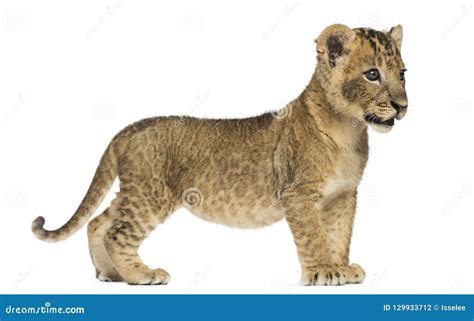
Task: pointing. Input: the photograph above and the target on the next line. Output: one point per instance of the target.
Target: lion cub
(303, 163)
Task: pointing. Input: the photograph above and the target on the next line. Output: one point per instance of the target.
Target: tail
(101, 183)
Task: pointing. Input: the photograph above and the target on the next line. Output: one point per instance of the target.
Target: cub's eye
(372, 75)
(402, 74)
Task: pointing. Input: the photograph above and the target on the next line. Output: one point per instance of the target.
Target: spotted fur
(302, 164)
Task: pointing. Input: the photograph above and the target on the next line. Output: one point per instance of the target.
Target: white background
(72, 74)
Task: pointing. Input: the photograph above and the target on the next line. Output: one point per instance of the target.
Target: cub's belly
(250, 211)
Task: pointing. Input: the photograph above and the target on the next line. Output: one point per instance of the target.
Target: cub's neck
(348, 133)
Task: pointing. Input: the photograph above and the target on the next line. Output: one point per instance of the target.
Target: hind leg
(105, 270)
(136, 218)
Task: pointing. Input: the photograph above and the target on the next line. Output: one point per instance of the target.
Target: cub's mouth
(374, 119)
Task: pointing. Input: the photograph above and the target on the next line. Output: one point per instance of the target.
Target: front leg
(322, 237)
(338, 218)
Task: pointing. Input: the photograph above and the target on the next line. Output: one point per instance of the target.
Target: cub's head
(362, 73)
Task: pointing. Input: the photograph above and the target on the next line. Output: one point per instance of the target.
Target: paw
(356, 274)
(333, 275)
(149, 277)
(107, 276)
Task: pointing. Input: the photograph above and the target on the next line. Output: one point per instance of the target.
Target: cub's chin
(381, 128)
(379, 125)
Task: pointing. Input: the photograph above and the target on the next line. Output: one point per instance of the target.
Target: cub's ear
(333, 44)
(396, 33)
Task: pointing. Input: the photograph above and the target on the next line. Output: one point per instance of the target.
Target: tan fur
(303, 163)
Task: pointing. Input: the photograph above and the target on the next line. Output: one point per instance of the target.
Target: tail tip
(38, 223)
(37, 228)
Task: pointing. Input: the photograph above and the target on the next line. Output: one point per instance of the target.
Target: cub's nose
(400, 107)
